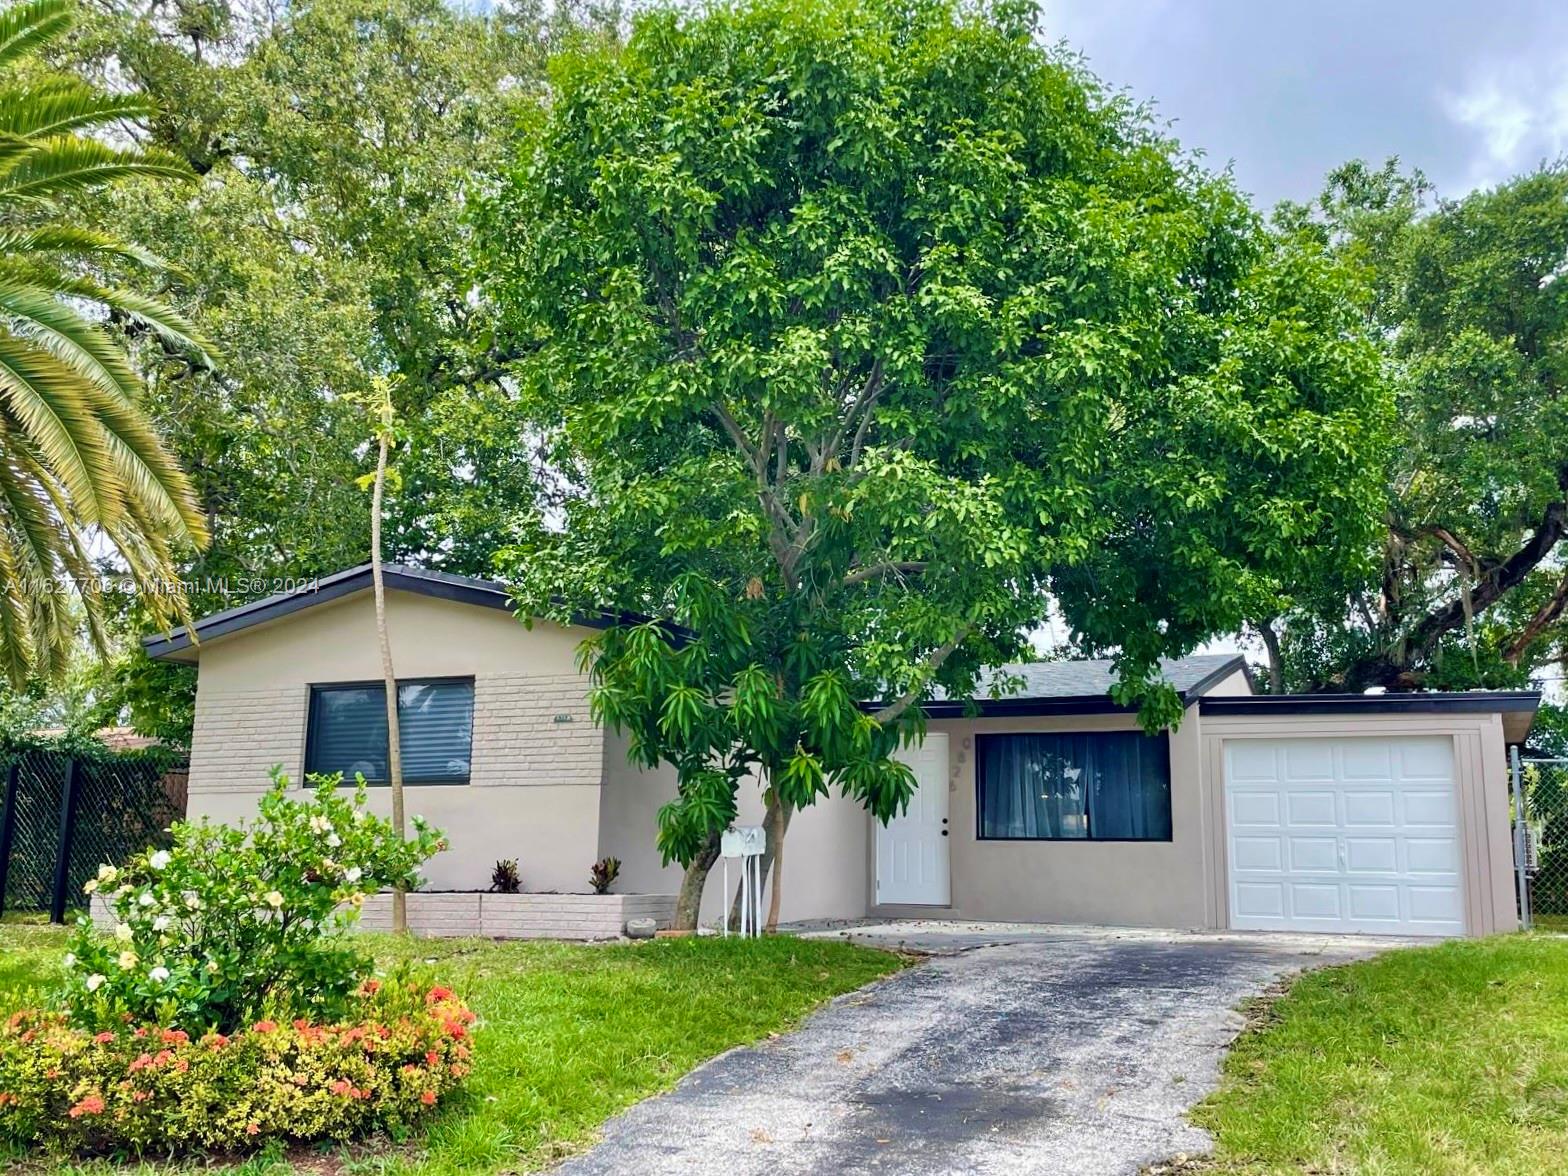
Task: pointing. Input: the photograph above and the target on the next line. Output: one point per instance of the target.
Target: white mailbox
(743, 841)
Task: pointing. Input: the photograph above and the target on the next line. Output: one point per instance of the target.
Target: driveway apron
(1055, 1053)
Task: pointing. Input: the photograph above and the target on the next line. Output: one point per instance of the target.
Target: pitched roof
(178, 644)
(1081, 686)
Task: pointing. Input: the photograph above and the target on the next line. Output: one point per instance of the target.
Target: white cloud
(1517, 114)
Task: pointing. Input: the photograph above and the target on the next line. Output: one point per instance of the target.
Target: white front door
(1344, 834)
(912, 865)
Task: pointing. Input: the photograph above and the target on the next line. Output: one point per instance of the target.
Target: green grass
(1557, 923)
(1448, 1059)
(568, 1035)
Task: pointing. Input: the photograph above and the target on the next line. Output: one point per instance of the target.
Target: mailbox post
(745, 842)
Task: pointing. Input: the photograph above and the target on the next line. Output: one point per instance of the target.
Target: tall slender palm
(79, 461)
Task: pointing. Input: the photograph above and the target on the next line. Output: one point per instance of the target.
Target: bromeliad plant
(235, 923)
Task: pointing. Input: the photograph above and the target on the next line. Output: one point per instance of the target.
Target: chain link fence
(61, 816)
(1545, 787)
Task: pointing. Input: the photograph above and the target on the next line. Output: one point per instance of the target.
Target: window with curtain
(348, 730)
(1093, 786)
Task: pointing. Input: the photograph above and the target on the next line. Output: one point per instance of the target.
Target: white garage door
(1344, 835)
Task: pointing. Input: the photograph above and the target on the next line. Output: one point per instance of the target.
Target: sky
(1469, 91)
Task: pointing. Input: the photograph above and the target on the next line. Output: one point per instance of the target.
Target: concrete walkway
(1016, 1050)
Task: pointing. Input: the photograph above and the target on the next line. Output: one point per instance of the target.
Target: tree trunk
(688, 904)
(775, 821)
(1276, 662)
(394, 750)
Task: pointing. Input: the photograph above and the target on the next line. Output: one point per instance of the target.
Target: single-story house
(1358, 813)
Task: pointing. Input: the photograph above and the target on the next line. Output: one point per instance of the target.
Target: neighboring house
(1366, 813)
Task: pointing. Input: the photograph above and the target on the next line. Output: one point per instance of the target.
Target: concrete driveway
(1017, 1049)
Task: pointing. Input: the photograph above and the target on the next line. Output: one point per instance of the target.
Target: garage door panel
(1314, 854)
(1378, 855)
(1366, 759)
(1344, 834)
(1310, 808)
(1258, 853)
(1429, 807)
(1380, 903)
(1436, 903)
(1309, 762)
(1257, 762)
(1260, 900)
(1255, 808)
(1369, 807)
(1315, 900)
(1431, 855)
(1425, 760)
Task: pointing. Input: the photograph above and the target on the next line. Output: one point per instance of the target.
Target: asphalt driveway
(1026, 1051)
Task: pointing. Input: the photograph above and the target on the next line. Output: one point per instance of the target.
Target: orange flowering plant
(143, 1089)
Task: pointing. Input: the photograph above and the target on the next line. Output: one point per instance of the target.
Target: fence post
(1521, 844)
(62, 857)
(8, 826)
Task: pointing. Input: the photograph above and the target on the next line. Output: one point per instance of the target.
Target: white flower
(69, 961)
(212, 967)
(334, 840)
(353, 873)
(124, 889)
(161, 923)
(128, 959)
(89, 886)
(107, 873)
(360, 814)
(93, 981)
(273, 899)
(123, 933)
(158, 975)
(192, 900)
(319, 824)
(159, 860)
(146, 898)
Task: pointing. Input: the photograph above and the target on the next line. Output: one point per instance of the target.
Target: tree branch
(872, 571)
(1545, 615)
(933, 663)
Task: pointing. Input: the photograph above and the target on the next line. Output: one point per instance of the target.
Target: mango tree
(855, 335)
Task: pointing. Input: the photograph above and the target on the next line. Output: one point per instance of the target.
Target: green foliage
(66, 1089)
(603, 874)
(233, 922)
(81, 458)
(504, 878)
(862, 331)
(1467, 589)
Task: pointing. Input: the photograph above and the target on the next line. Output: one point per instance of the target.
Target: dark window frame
(1090, 839)
(312, 717)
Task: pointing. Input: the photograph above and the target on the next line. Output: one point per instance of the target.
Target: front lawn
(1432, 1060)
(569, 1035)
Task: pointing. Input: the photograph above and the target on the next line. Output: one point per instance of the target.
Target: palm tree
(80, 464)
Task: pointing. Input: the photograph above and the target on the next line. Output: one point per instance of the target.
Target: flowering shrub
(145, 1089)
(235, 923)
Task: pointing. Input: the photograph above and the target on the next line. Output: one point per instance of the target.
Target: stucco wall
(1121, 883)
(537, 758)
(825, 849)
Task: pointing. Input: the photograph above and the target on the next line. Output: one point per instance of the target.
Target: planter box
(503, 916)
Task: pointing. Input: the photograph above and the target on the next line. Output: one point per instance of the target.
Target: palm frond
(49, 403)
(68, 164)
(26, 27)
(78, 455)
(56, 108)
(45, 239)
